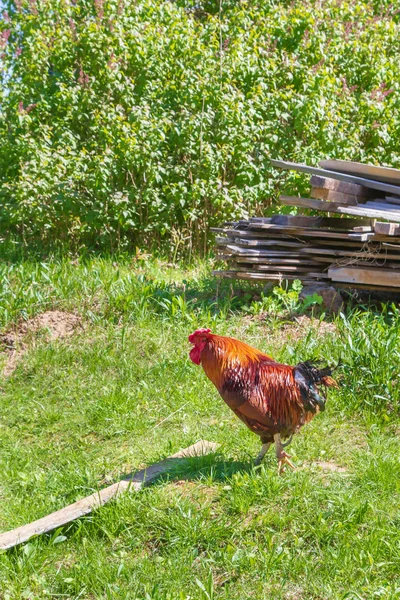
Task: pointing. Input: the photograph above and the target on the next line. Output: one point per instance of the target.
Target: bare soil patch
(54, 324)
(329, 466)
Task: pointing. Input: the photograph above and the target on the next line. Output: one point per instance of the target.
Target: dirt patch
(54, 324)
(330, 467)
(298, 327)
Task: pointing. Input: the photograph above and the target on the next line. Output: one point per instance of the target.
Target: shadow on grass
(197, 468)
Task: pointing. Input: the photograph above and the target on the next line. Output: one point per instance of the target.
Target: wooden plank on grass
(86, 505)
(365, 276)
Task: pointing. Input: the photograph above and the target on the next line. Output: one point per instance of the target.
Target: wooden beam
(133, 483)
(387, 228)
(361, 210)
(339, 186)
(371, 276)
(369, 183)
(332, 196)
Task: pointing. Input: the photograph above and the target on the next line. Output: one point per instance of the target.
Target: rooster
(274, 400)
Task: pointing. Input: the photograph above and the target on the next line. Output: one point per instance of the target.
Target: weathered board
(392, 199)
(86, 505)
(387, 228)
(332, 196)
(369, 276)
(369, 183)
(361, 210)
(339, 186)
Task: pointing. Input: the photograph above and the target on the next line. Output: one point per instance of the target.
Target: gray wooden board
(367, 170)
(335, 253)
(339, 222)
(370, 183)
(297, 231)
(275, 261)
(268, 277)
(312, 222)
(285, 269)
(265, 260)
(282, 242)
(392, 199)
(274, 268)
(389, 229)
(86, 505)
(359, 210)
(393, 208)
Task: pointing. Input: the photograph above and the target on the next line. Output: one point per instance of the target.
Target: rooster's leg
(262, 453)
(283, 458)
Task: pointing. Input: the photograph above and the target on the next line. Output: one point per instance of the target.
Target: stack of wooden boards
(351, 249)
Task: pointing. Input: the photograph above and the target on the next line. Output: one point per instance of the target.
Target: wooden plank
(342, 222)
(339, 186)
(369, 183)
(392, 199)
(268, 277)
(301, 232)
(387, 228)
(266, 260)
(133, 482)
(267, 242)
(310, 203)
(285, 268)
(349, 254)
(332, 196)
(359, 210)
(393, 208)
(367, 276)
(362, 229)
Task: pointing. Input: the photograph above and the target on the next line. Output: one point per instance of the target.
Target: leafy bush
(153, 120)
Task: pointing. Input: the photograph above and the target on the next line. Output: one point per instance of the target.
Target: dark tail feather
(309, 377)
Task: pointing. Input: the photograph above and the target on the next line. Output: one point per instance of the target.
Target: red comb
(198, 332)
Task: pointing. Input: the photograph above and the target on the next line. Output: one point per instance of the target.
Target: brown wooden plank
(86, 505)
(339, 186)
(367, 276)
(332, 196)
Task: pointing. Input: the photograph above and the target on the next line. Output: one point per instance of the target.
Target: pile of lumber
(356, 243)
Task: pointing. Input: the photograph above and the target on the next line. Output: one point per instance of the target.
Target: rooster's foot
(283, 460)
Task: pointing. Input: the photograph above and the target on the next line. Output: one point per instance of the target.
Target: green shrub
(149, 121)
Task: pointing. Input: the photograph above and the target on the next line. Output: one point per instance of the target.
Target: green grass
(121, 394)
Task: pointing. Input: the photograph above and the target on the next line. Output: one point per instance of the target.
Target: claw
(284, 460)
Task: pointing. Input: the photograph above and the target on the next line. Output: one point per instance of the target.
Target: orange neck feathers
(221, 353)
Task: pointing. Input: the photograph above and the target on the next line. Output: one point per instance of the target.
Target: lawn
(117, 392)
